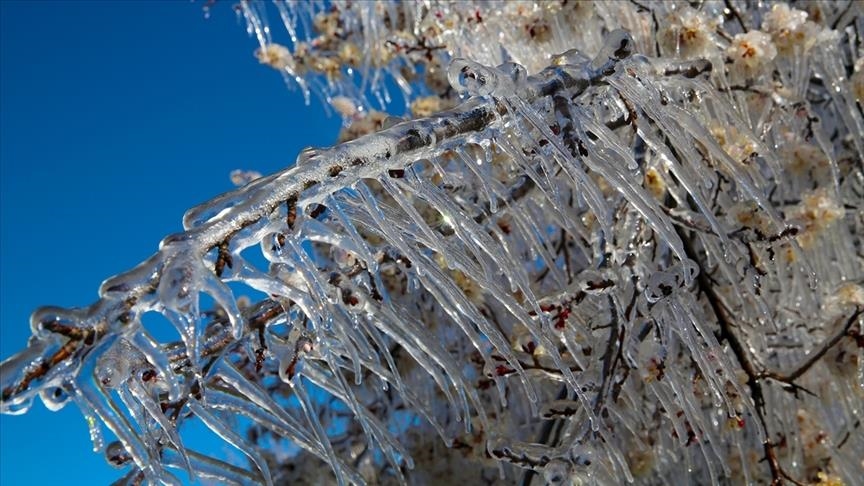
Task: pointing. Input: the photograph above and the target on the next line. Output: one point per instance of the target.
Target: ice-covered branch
(311, 180)
(597, 272)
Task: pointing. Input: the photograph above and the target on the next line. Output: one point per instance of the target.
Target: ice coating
(543, 275)
(119, 364)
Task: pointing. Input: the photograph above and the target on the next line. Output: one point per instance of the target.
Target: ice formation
(622, 244)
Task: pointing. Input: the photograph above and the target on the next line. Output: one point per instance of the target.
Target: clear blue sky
(114, 118)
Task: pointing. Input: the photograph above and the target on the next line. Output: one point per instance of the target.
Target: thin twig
(817, 355)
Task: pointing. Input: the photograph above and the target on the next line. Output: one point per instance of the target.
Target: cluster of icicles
(515, 279)
(363, 50)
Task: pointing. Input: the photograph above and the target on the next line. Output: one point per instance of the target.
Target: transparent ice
(630, 252)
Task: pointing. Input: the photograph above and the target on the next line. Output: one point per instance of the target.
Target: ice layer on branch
(612, 250)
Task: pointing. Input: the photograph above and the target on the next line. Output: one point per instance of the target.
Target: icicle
(391, 447)
(103, 406)
(209, 468)
(153, 409)
(254, 393)
(224, 431)
(151, 352)
(513, 236)
(312, 418)
(289, 430)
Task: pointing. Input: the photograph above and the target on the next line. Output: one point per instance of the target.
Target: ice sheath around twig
(629, 266)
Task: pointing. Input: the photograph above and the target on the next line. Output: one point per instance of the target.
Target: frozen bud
(329, 66)
(655, 183)
(112, 370)
(848, 294)
(749, 215)
(618, 45)
(688, 33)
(523, 341)
(118, 363)
(751, 51)
(802, 157)
(538, 29)
(276, 56)
(641, 461)
(244, 302)
(739, 146)
(353, 300)
(350, 54)
(474, 79)
(662, 284)
(469, 287)
(825, 479)
(242, 177)
(817, 212)
(344, 106)
(790, 29)
(425, 106)
(116, 454)
(327, 23)
(345, 259)
(783, 18)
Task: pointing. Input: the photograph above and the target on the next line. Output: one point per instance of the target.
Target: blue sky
(115, 117)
